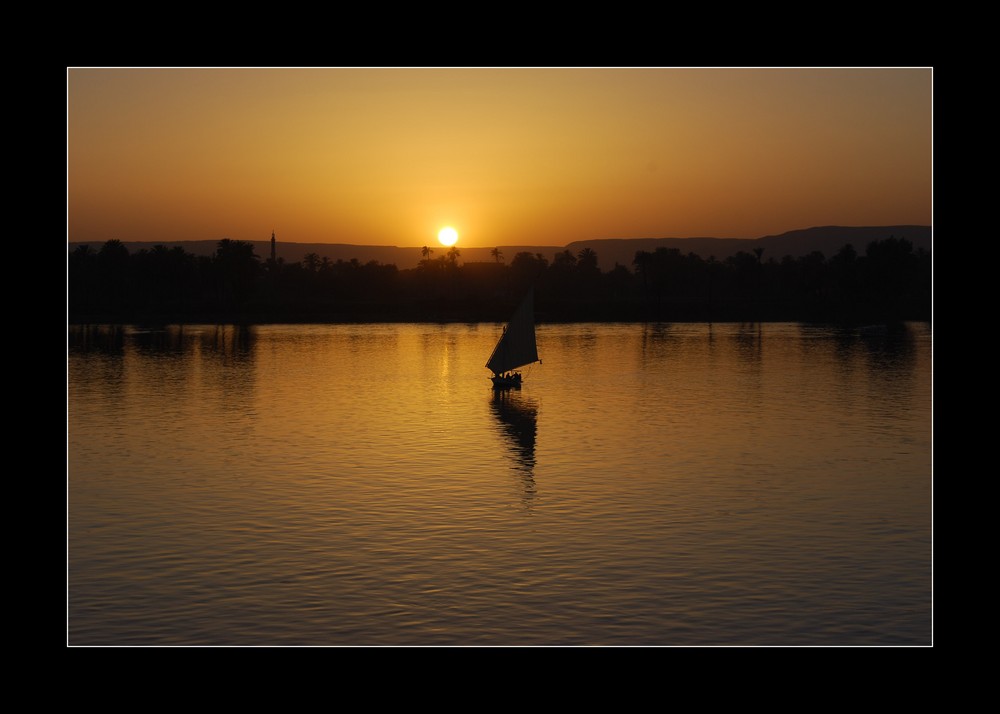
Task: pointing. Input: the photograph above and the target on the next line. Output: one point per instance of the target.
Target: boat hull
(506, 382)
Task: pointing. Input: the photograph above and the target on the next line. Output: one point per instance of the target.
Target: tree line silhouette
(890, 282)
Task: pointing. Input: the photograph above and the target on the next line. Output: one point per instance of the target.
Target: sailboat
(516, 346)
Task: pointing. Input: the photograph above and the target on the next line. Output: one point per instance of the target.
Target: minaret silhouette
(272, 246)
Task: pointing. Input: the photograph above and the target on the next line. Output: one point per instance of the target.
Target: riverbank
(444, 311)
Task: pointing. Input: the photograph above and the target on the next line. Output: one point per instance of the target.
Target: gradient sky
(506, 156)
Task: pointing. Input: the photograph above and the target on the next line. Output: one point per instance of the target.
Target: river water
(362, 485)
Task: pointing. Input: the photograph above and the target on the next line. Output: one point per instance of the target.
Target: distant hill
(826, 239)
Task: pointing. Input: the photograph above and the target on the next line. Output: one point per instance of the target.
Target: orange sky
(506, 156)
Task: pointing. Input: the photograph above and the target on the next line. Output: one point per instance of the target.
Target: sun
(447, 236)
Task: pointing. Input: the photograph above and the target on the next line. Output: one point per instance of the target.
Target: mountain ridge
(796, 243)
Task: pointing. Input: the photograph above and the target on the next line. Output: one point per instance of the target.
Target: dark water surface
(695, 484)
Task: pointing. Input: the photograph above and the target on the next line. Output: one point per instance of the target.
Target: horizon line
(486, 247)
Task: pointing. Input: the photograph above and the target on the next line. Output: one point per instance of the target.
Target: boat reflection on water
(517, 417)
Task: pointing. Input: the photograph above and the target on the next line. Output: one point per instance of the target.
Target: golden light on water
(730, 528)
(447, 236)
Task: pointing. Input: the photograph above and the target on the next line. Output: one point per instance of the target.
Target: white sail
(517, 347)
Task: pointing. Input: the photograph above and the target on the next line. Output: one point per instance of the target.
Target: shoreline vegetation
(886, 282)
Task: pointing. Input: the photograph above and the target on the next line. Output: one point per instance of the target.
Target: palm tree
(237, 267)
(453, 254)
(82, 255)
(311, 262)
(759, 252)
(497, 254)
(113, 270)
(82, 277)
(643, 262)
(426, 252)
(566, 259)
(113, 250)
(587, 261)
